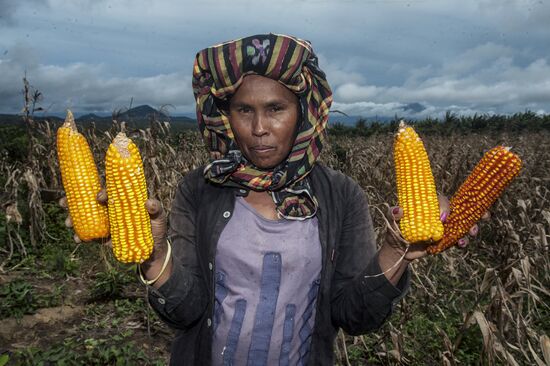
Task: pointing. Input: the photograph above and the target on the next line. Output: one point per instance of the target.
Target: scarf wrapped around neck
(218, 72)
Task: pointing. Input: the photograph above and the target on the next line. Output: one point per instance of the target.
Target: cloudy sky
(467, 56)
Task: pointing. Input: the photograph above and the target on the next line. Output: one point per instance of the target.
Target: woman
(271, 252)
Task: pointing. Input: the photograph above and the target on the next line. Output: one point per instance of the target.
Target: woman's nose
(259, 125)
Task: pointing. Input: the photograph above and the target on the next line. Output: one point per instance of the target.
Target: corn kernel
(416, 191)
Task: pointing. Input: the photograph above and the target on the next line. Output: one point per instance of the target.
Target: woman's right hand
(154, 207)
(152, 266)
(158, 227)
(102, 199)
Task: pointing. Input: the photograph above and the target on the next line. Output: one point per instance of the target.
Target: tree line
(451, 123)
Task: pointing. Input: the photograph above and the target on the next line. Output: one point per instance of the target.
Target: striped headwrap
(218, 72)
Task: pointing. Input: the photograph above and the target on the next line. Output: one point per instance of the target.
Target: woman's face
(263, 115)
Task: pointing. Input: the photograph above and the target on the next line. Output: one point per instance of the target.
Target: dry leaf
(545, 346)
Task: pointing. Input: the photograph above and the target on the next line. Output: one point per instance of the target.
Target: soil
(71, 319)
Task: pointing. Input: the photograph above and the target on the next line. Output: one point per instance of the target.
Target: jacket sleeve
(183, 299)
(361, 304)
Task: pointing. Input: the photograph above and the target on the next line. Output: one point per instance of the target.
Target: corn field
(488, 304)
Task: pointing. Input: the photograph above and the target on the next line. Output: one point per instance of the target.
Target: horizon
(346, 119)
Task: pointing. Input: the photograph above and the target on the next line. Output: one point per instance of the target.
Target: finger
(77, 239)
(102, 196)
(158, 220)
(417, 251)
(486, 216)
(63, 202)
(154, 208)
(394, 239)
(462, 242)
(474, 230)
(108, 243)
(394, 213)
(444, 207)
(69, 221)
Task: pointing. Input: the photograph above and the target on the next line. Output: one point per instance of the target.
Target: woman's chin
(264, 160)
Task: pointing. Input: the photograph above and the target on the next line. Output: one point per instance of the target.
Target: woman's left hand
(418, 250)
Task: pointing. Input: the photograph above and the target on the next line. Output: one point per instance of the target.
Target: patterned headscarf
(219, 71)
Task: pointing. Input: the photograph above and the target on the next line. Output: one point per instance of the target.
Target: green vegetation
(14, 142)
(484, 124)
(115, 350)
(20, 297)
(110, 284)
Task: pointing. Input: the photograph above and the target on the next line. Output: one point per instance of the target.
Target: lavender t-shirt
(267, 279)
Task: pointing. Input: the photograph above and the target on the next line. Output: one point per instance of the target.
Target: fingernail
(474, 230)
(395, 210)
(443, 216)
(461, 243)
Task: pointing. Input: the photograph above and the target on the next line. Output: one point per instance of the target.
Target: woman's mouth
(261, 149)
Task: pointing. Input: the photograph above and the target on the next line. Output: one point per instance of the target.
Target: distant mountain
(183, 119)
(89, 117)
(17, 119)
(409, 112)
(10, 119)
(142, 112)
(135, 118)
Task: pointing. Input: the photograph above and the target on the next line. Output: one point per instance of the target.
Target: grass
(20, 297)
(115, 350)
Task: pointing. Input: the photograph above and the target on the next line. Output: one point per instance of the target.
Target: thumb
(102, 196)
(158, 219)
(444, 207)
(154, 208)
(63, 202)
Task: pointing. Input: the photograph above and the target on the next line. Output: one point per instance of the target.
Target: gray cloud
(8, 9)
(82, 86)
(515, 14)
(469, 55)
(485, 79)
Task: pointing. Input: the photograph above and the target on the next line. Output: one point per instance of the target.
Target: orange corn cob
(127, 191)
(81, 182)
(416, 191)
(481, 189)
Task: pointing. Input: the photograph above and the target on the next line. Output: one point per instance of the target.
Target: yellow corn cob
(127, 191)
(481, 189)
(415, 188)
(81, 182)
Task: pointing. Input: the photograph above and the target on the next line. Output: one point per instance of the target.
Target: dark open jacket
(346, 299)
